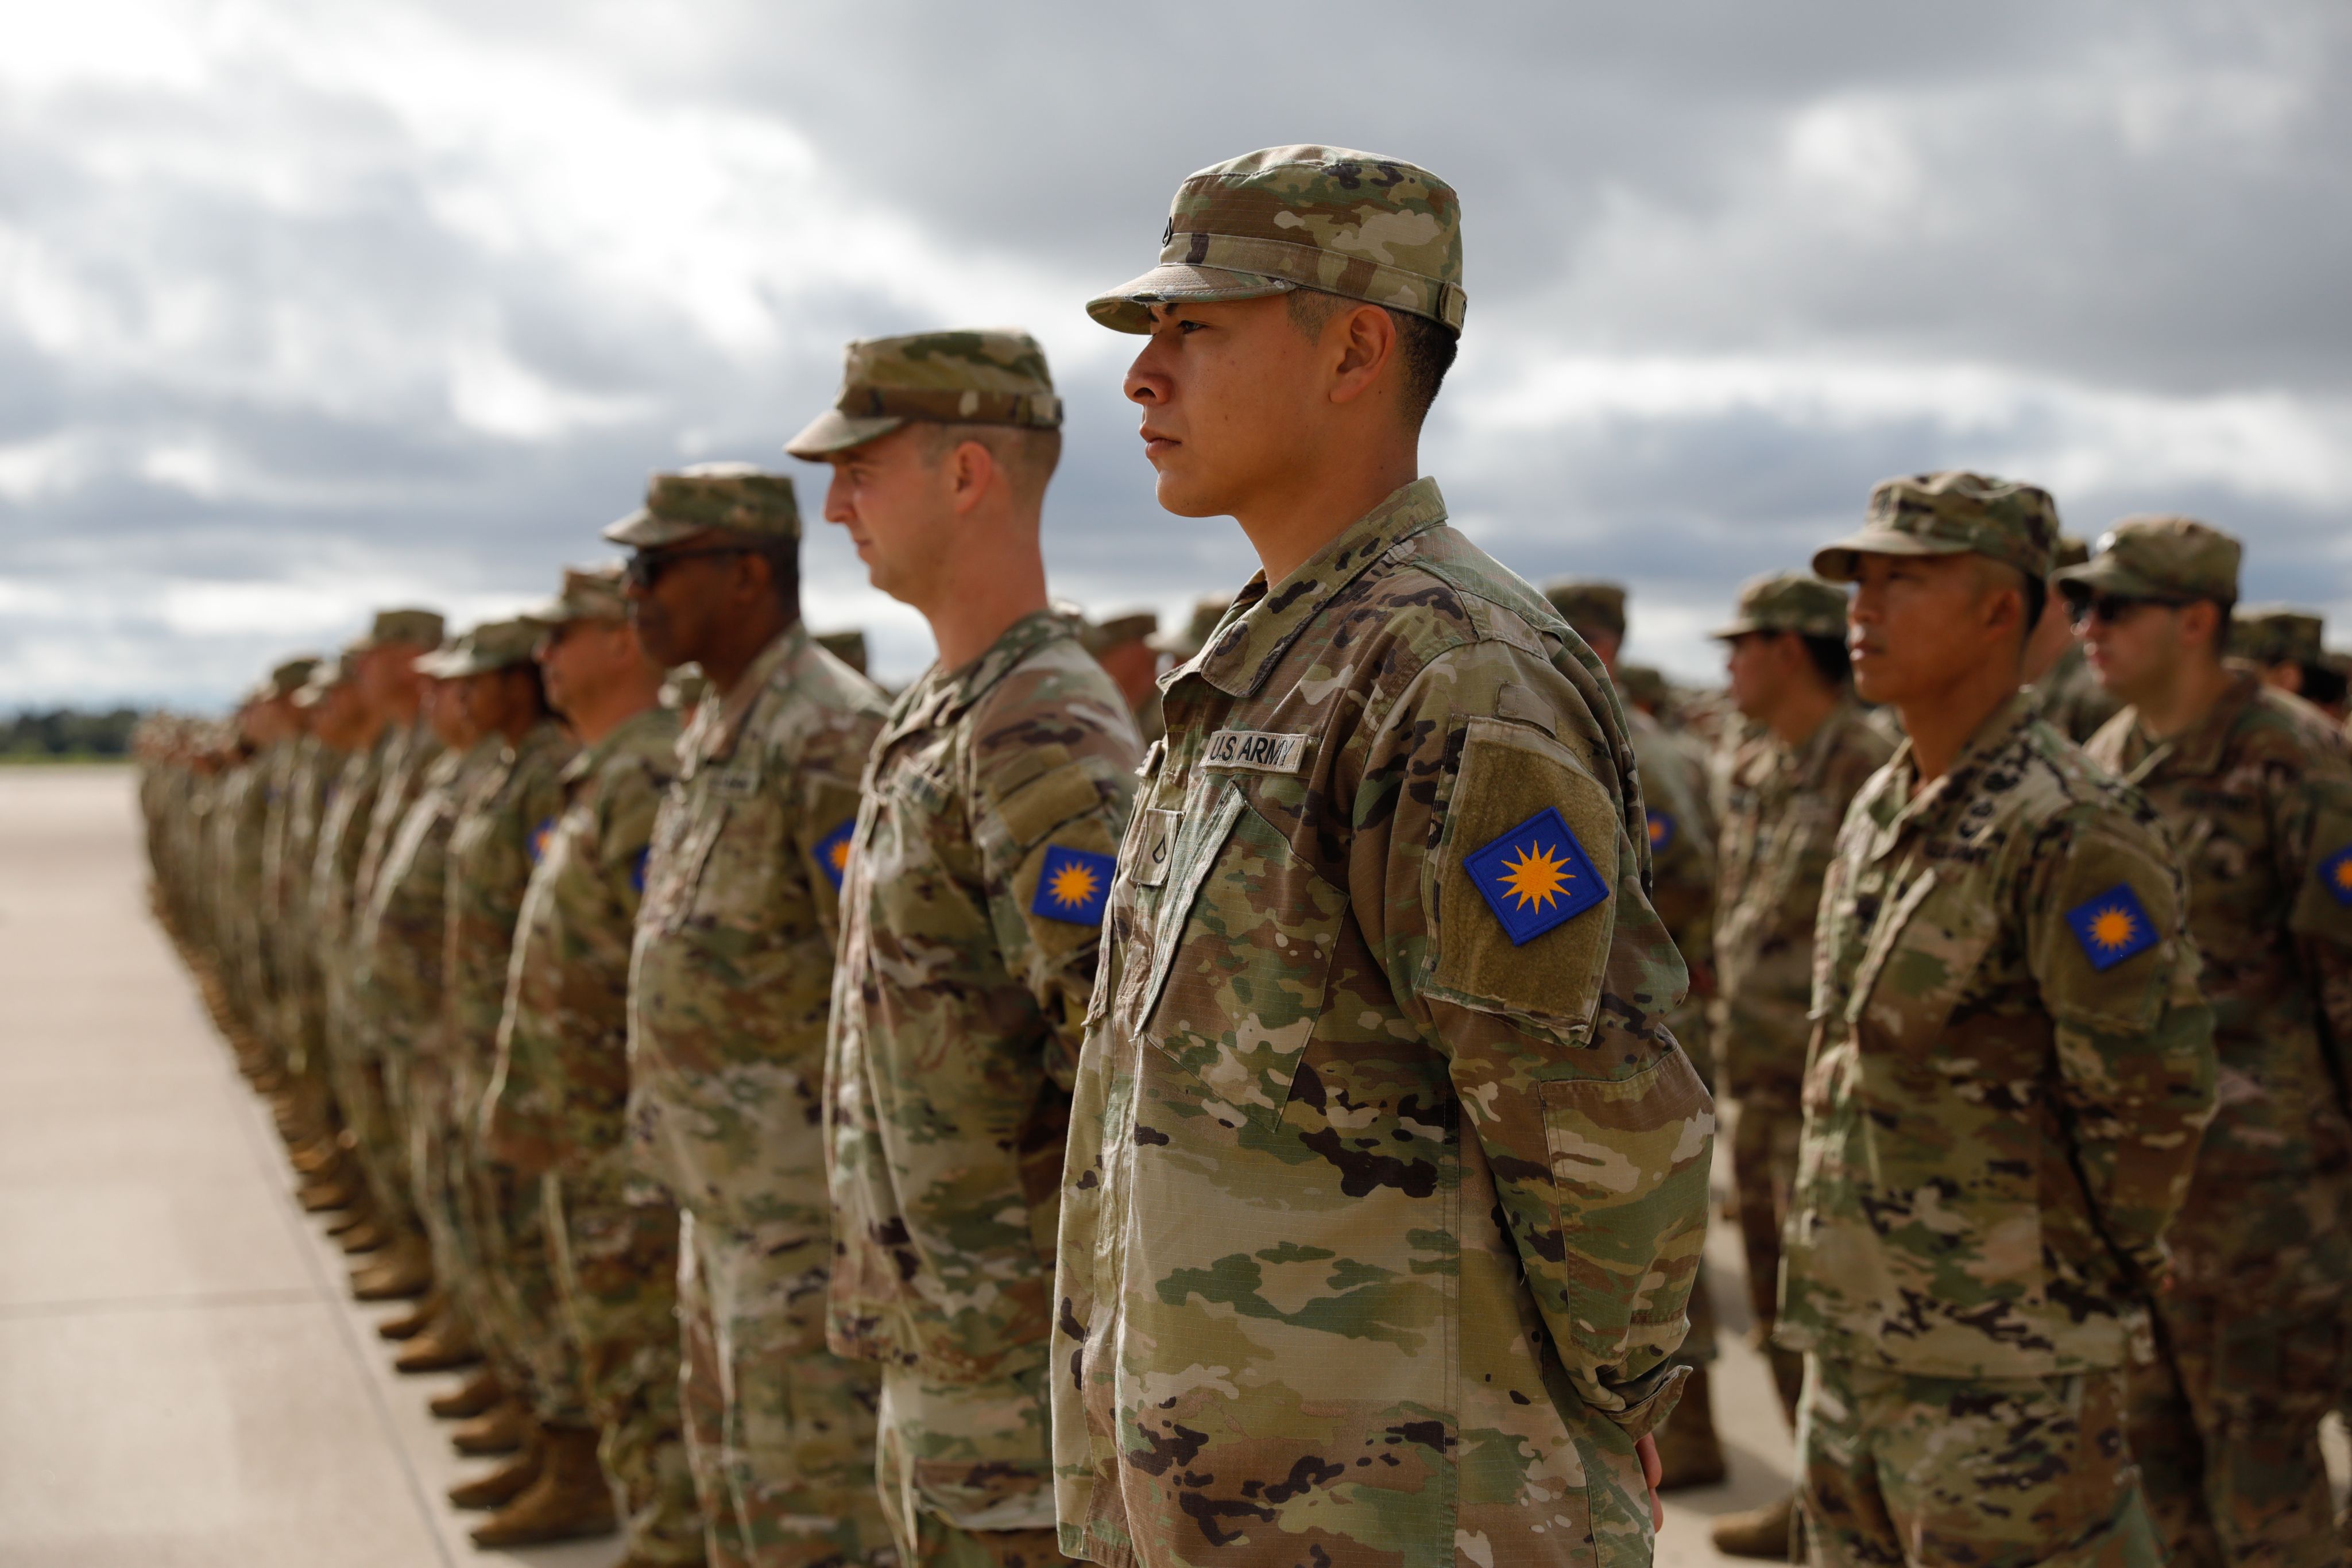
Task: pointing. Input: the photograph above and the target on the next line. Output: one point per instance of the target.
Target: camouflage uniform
(729, 984)
(560, 1078)
(2257, 800)
(2007, 1077)
(959, 1004)
(502, 829)
(1781, 820)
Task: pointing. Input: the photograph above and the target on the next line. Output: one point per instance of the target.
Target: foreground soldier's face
(1918, 624)
(1228, 393)
(895, 496)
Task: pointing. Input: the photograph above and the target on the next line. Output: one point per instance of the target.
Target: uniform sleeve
(2316, 835)
(828, 781)
(2110, 952)
(1499, 880)
(1047, 817)
(625, 833)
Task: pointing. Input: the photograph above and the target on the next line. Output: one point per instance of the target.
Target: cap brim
(833, 431)
(1736, 629)
(2104, 574)
(642, 530)
(443, 666)
(1128, 307)
(1838, 561)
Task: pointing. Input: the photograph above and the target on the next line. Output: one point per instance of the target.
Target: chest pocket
(1242, 934)
(686, 831)
(1923, 956)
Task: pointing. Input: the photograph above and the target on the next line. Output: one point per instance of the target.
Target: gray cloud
(300, 312)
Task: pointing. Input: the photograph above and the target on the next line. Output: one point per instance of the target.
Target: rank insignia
(537, 848)
(1661, 832)
(2336, 875)
(832, 852)
(2112, 926)
(1536, 876)
(1072, 886)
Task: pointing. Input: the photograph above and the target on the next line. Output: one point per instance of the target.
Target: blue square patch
(1535, 877)
(1072, 886)
(832, 852)
(2112, 926)
(537, 848)
(1661, 832)
(2336, 875)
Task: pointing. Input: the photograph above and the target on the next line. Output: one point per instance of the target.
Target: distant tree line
(67, 732)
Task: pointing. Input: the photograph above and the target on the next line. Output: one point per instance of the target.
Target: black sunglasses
(2114, 608)
(645, 567)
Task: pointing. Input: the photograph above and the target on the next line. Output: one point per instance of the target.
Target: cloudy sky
(306, 309)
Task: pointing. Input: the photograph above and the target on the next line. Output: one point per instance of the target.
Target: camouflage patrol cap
(736, 498)
(492, 646)
(1951, 513)
(1644, 687)
(408, 627)
(2159, 556)
(1117, 630)
(987, 377)
(2277, 634)
(1788, 601)
(589, 593)
(329, 673)
(2069, 551)
(849, 647)
(288, 677)
(1364, 227)
(1589, 604)
(1184, 644)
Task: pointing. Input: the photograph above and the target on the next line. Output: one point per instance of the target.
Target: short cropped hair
(1425, 349)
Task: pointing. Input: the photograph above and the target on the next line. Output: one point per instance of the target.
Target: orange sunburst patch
(2336, 874)
(832, 852)
(2112, 926)
(1072, 886)
(1535, 877)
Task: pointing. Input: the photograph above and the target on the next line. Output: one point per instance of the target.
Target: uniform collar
(1932, 809)
(722, 722)
(591, 758)
(942, 695)
(2196, 750)
(1253, 635)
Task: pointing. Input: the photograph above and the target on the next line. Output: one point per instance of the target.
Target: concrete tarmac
(184, 1382)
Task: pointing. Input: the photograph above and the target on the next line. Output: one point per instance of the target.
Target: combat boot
(359, 1213)
(444, 1347)
(405, 1269)
(570, 1499)
(415, 1321)
(502, 1485)
(318, 1155)
(1688, 1451)
(478, 1394)
(367, 1235)
(1761, 1532)
(325, 1197)
(497, 1430)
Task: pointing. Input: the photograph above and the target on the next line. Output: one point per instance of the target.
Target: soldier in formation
(1235, 1094)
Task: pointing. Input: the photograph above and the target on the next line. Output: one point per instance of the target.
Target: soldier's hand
(1652, 1472)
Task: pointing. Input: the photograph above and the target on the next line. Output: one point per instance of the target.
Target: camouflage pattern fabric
(2017, 926)
(1950, 513)
(402, 943)
(991, 812)
(1350, 223)
(1379, 1223)
(1782, 808)
(1895, 1469)
(2257, 798)
(559, 1076)
(499, 836)
(350, 803)
(996, 377)
(729, 984)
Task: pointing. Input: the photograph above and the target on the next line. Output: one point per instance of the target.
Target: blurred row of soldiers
(955, 1128)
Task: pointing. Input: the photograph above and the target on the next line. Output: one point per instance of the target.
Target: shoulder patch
(2112, 926)
(1662, 832)
(637, 871)
(1072, 886)
(2336, 875)
(537, 846)
(832, 852)
(1535, 877)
